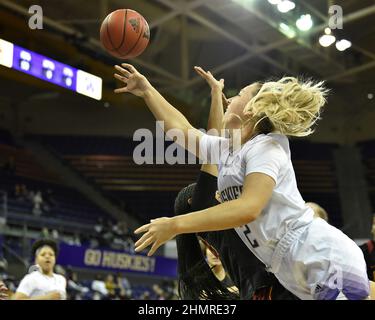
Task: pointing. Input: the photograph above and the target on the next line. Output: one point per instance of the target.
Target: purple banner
(116, 261)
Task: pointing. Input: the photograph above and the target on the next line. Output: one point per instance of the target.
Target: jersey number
(247, 234)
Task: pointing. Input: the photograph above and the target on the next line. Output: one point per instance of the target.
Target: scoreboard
(44, 68)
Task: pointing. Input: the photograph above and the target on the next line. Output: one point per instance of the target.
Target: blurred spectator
(129, 245)
(3, 265)
(45, 233)
(76, 240)
(74, 289)
(159, 292)
(96, 296)
(99, 228)
(124, 286)
(107, 238)
(55, 235)
(98, 285)
(37, 202)
(111, 286)
(145, 296)
(93, 242)
(170, 289)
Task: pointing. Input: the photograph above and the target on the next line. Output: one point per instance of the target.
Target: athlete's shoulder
(267, 146)
(31, 277)
(59, 277)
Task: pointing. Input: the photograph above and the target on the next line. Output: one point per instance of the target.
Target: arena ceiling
(238, 40)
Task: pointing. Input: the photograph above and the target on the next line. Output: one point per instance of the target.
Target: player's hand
(210, 79)
(156, 233)
(133, 81)
(3, 291)
(54, 295)
(226, 101)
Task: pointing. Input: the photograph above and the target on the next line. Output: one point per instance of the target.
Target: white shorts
(319, 262)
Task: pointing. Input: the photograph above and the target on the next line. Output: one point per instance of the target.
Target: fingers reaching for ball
(210, 79)
(133, 81)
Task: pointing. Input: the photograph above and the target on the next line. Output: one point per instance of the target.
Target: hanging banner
(116, 261)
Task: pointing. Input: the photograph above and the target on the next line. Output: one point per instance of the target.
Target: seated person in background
(74, 288)
(111, 286)
(123, 287)
(98, 285)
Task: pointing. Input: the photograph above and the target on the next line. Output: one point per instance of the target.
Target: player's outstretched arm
(215, 119)
(256, 193)
(137, 84)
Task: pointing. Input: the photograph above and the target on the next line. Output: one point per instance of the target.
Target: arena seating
(149, 190)
(368, 156)
(316, 178)
(20, 168)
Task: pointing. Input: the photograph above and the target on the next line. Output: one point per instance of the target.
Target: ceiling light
(285, 6)
(304, 23)
(274, 2)
(287, 30)
(343, 44)
(327, 39)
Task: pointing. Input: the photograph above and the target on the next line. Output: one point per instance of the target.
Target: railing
(14, 216)
(53, 223)
(14, 254)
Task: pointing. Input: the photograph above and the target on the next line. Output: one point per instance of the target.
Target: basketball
(125, 33)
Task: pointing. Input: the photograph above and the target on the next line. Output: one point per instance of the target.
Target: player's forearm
(164, 111)
(40, 298)
(215, 119)
(228, 215)
(17, 296)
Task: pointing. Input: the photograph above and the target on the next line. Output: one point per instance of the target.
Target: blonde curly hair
(289, 106)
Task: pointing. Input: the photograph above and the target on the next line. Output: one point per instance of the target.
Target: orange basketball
(124, 33)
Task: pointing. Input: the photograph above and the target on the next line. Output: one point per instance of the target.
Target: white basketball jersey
(286, 210)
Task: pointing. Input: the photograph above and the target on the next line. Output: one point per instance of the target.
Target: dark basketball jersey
(368, 249)
(246, 271)
(227, 282)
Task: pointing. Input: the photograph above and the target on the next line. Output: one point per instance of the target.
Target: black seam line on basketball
(140, 35)
(106, 27)
(124, 32)
(108, 34)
